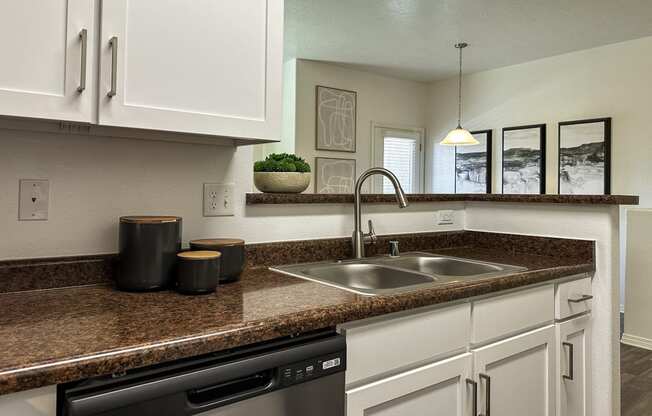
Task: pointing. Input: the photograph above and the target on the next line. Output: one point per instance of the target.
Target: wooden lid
(216, 242)
(149, 219)
(199, 255)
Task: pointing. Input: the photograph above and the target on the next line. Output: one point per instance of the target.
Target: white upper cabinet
(44, 69)
(203, 66)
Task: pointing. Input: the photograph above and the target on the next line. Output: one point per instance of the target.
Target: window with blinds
(400, 156)
(401, 151)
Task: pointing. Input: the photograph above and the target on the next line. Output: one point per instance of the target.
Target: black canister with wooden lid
(232, 261)
(198, 272)
(148, 252)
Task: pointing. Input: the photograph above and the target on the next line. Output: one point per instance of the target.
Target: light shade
(459, 137)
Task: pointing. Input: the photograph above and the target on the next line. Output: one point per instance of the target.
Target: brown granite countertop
(271, 198)
(59, 335)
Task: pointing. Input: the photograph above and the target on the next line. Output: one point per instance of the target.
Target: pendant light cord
(459, 90)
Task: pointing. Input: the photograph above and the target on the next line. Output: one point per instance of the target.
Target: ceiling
(413, 39)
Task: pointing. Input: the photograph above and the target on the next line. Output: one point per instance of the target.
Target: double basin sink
(392, 275)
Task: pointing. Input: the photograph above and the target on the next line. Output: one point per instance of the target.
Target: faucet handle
(372, 233)
(393, 249)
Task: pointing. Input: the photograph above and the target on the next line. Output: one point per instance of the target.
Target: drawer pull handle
(487, 394)
(113, 42)
(83, 37)
(571, 364)
(583, 298)
(474, 387)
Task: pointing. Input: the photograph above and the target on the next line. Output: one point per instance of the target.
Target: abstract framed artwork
(585, 157)
(334, 175)
(473, 165)
(524, 160)
(336, 112)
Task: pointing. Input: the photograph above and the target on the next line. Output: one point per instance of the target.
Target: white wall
(94, 180)
(610, 81)
(380, 99)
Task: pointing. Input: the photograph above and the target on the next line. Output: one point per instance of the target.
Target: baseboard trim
(635, 341)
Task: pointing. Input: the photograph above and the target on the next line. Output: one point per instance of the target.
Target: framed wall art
(585, 157)
(334, 175)
(524, 160)
(473, 165)
(336, 119)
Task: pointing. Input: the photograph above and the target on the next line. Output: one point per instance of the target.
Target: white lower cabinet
(438, 388)
(573, 365)
(516, 376)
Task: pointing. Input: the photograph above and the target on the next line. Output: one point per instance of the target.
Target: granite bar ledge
(275, 199)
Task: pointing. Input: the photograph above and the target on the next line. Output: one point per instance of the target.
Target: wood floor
(635, 381)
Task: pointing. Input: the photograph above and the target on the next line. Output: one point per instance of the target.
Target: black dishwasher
(290, 377)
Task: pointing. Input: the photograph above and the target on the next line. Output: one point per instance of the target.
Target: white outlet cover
(446, 217)
(33, 199)
(218, 199)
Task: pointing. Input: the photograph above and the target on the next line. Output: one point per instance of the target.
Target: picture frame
(335, 119)
(473, 165)
(334, 175)
(524, 159)
(584, 157)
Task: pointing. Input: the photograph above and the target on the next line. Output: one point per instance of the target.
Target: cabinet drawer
(573, 298)
(396, 342)
(501, 316)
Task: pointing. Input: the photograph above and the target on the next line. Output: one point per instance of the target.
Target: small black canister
(198, 272)
(148, 252)
(232, 261)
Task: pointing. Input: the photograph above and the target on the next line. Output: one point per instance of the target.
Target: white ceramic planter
(282, 182)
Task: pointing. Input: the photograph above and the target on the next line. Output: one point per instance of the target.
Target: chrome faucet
(360, 239)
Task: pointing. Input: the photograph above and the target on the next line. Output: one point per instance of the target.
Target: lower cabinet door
(440, 388)
(573, 367)
(516, 376)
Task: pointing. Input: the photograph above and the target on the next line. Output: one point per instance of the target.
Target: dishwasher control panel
(309, 369)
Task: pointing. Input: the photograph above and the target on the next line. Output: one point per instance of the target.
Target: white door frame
(421, 131)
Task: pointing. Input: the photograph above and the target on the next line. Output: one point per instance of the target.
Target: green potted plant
(282, 173)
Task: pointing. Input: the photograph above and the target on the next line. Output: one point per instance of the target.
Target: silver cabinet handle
(487, 394)
(583, 298)
(83, 36)
(571, 364)
(474, 388)
(113, 42)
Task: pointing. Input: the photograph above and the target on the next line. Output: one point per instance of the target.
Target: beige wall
(94, 180)
(610, 81)
(380, 99)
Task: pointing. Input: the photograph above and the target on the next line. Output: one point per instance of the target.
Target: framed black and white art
(473, 165)
(336, 119)
(585, 157)
(524, 159)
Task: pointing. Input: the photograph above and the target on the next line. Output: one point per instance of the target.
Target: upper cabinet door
(516, 376)
(47, 69)
(202, 66)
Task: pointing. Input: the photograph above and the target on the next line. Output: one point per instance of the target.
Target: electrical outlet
(445, 217)
(33, 199)
(218, 199)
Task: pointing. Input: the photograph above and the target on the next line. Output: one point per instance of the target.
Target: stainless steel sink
(391, 275)
(446, 266)
(361, 277)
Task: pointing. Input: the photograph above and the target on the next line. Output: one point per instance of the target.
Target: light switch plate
(218, 199)
(445, 217)
(33, 199)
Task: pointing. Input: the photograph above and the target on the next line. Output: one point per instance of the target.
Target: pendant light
(459, 136)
